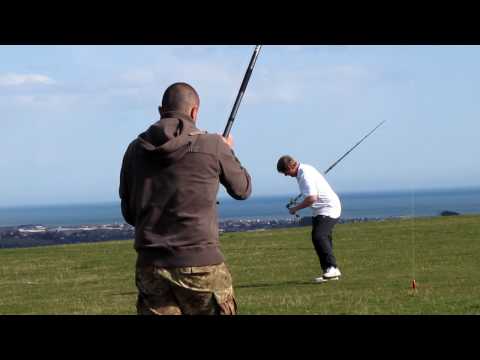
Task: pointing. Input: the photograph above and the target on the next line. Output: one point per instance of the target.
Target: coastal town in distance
(39, 235)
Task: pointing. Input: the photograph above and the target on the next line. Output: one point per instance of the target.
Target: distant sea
(354, 205)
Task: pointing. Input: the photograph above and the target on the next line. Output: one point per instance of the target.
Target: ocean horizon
(368, 204)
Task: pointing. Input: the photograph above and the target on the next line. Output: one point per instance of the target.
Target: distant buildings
(32, 228)
(37, 235)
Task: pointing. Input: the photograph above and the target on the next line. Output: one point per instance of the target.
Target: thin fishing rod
(248, 73)
(294, 200)
(358, 143)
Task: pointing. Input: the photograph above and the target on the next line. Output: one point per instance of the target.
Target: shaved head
(180, 97)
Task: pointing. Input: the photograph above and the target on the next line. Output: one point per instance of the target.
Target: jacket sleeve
(233, 176)
(125, 188)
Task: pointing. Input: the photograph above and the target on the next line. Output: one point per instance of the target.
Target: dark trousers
(322, 240)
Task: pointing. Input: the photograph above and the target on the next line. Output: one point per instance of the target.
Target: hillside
(272, 272)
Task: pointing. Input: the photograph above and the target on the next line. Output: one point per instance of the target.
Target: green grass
(272, 272)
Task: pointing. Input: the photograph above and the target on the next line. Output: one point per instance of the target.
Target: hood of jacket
(169, 138)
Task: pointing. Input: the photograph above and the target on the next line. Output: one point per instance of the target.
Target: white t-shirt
(312, 182)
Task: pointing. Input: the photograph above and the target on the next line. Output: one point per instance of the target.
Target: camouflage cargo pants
(201, 290)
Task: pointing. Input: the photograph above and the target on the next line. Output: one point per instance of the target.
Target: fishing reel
(293, 202)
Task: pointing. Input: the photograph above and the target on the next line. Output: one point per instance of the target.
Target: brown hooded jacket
(168, 187)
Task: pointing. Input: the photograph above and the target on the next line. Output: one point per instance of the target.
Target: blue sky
(68, 113)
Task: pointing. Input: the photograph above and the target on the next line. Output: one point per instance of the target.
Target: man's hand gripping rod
(293, 201)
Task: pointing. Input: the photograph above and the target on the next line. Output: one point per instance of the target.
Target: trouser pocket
(226, 302)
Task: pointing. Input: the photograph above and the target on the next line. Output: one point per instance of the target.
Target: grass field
(272, 272)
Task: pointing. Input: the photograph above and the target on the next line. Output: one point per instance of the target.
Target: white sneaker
(332, 272)
(321, 279)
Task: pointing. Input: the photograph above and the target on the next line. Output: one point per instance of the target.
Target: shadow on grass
(125, 293)
(285, 283)
(270, 248)
(245, 286)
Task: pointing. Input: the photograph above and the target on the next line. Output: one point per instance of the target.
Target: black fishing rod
(243, 87)
(294, 201)
(231, 119)
(348, 152)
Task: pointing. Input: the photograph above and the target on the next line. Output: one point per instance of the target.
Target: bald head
(180, 97)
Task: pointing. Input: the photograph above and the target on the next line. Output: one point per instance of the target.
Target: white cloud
(216, 75)
(12, 79)
(48, 104)
(137, 77)
(272, 84)
(350, 72)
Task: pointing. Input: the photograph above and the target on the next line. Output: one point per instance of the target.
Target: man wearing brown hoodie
(169, 182)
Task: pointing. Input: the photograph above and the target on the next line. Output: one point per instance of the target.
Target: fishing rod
(243, 87)
(348, 152)
(294, 201)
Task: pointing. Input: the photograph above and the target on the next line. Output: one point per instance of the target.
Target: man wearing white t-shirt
(326, 211)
